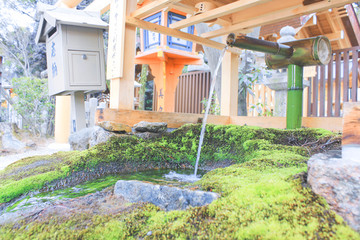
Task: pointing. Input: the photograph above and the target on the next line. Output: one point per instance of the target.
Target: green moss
(259, 197)
(261, 203)
(233, 143)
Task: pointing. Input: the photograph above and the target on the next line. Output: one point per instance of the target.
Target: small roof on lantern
(52, 16)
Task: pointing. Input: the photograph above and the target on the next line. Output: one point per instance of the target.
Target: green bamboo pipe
(294, 97)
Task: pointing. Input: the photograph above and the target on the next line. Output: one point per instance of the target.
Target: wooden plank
(176, 33)
(217, 12)
(355, 69)
(101, 6)
(174, 120)
(266, 122)
(197, 92)
(276, 16)
(332, 124)
(203, 86)
(322, 92)
(115, 61)
(337, 83)
(152, 7)
(309, 98)
(346, 77)
(330, 89)
(192, 94)
(315, 92)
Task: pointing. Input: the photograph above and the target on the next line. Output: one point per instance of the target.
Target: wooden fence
(334, 84)
(192, 88)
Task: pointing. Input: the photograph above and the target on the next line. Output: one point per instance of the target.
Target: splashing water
(194, 177)
(203, 127)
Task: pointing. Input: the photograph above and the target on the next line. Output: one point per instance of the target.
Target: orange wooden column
(166, 66)
(166, 79)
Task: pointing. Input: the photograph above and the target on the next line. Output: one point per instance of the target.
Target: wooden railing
(334, 84)
(192, 88)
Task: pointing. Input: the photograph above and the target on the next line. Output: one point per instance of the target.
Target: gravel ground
(49, 149)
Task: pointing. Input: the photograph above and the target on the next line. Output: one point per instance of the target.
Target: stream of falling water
(203, 127)
(194, 178)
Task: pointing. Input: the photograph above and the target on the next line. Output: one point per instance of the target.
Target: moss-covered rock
(260, 199)
(177, 149)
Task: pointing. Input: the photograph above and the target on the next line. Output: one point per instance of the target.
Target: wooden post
(229, 84)
(62, 119)
(351, 132)
(78, 121)
(166, 79)
(121, 65)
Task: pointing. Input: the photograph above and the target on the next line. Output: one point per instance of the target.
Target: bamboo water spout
(259, 45)
(292, 55)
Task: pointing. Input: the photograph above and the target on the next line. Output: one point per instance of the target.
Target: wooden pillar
(351, 132)
(78, 121)
(121, 56)
(62, 119)
(166, 79)
(229, 84)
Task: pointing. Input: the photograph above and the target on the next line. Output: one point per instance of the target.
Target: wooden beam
(68, 3)
(99, 5)
(335, 36)
(229, 85)
(354, 21)
(152, 7)
(217, 12)
(176, 33)
(280, 15)
(176, 120)
(184, 8)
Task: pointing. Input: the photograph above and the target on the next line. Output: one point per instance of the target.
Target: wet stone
(338, 181)
(115, 127)
(154, 127)
(165, 197)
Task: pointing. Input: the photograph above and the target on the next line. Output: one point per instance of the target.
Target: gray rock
(100, 135)
(154, 127)
(115, 127)
(89, 137)
(338, 181)
(80, 140)
(167, 198)
(9, 142)
(147, 135)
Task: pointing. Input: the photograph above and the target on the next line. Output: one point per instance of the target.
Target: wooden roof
(340, 25)
(234, 16)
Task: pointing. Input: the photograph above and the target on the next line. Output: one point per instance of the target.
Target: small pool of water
(154, 176)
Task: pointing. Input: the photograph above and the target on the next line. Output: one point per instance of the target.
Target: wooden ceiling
(339, 24)
(234, 16)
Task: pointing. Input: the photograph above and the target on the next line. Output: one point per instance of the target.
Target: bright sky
(18, 18)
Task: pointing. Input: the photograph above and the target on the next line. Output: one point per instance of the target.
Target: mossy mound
(260, 198)
(177, 149)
